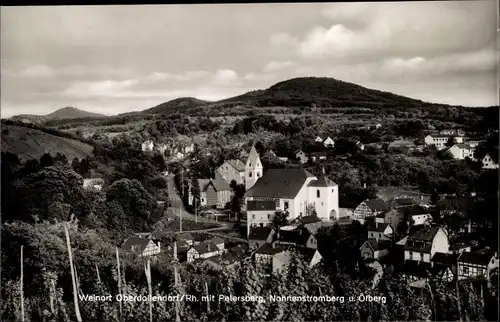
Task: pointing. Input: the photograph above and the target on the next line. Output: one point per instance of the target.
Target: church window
(317, 193)
(250, 174)
(258, 174)
(333, 190)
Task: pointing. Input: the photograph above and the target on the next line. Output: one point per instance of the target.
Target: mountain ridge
(60, 114)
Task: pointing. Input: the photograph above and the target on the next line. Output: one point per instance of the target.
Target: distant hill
(61, 114)
(30, 143)
(176, 105)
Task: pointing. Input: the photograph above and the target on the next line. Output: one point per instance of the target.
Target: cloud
(225, 77)
(274, 66)
(38, 71)
(283, 39)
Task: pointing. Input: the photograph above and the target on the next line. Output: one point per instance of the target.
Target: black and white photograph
(322, 161)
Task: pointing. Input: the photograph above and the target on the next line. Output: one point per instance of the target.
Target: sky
(116, 59)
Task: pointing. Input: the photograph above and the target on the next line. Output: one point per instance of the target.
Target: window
(253, 216)
(250, 174)
(465, 270)
(411, 255)
(322, 203)
(379, 235)
(286, 205)
(333, 190)
(301, 213)
(268, 216)
(258, 174)
(421, 257)
(317, 193)
(249, 164)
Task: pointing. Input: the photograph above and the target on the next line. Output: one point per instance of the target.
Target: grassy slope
(30, 143)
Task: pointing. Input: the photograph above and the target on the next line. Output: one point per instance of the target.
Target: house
(213, 192)
(490, 161)
(421, 219)
(380, 231)
(162, 148)
(458, 248)
(440, 140)
(233, 170)
(263, 256)
(448, 260)
(375, 249)
(179, 155)
(295, 191)
(147, 146)
(297, 237)
(282, 260)
(284, 159)
(93, 183)
(378, 126)
(253, 168)
(205, 249)
(260, 212)
(187, 237)
(143, 247)
(318, 156)
(455, 132)
(360, 145)
(462, 151)
(318, 139)
(328, 142)
(423, 244)
(258, 236)
(369, 208)
(312, 223)
(474, 142)
(477, 264)
(219, 242)
(301, 156)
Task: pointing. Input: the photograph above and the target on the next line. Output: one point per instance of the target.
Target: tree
(451, 142)
(196, 193)
(280, 219)
(46, 160)
(159, 183)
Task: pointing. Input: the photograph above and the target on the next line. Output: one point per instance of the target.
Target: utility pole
(182, 191)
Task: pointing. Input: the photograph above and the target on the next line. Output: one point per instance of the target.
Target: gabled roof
(260, 233)
(305, 220)
(279, 183)
(205, 247)
(458, 246)
(322, 181)
(425, 234)
(298, 151)
(239, 250)
(237, 164)
(203, 183)
(463, 146)
(377, 244)
(299, 237)
(141, 243)
(404, 201)
(445, 258)
(378, 227)
(217, 240)
(270, 249)
(478, 257)
(376, 204)
(219, 183)
(257, 205)
(493, 156)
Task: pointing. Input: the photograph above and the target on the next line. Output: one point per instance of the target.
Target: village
(286, 209)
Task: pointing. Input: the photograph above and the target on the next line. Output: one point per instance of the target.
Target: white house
(253, 168)
(462, 151)
(360, 145)
(454, 132)
(205, 249)
(292, 190)
(378, 126)
(93, 183)
(301, 156)
(233, 170)
(370, 208)
(423, 244)
(189, 148)
(374, 249)
(328, 142)
(147, 146)
(318, 139)
(421, 219)
(440, 140)
(490, 162)
(380, 231)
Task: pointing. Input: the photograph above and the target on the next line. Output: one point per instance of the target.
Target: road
(179, 210)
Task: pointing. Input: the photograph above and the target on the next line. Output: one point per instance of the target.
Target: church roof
(322, 182)
(253, 157)
(237, 164)
(279, 183)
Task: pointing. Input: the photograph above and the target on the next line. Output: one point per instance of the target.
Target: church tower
(253, 168)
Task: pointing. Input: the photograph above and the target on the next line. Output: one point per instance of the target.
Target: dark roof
(322, 182)
(378, 227)
(237, 164)
(219, 183)
(318, 154)
(477, 257)
(376, 204)
(136, 241)
(305, 220)
(239, 250)
(404, 201)
(418, 246)
(269, 249)
(445, 258)
(202, 183)
(458, 246)
(417, 269)
(378, 244)
(424, 234)
(205, 247)
(260, 233)
(279, 183)
(261, 205)
(217, 240)
(298, 237)
(414, 210)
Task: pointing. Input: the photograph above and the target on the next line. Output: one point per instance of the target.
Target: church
(243, 173)
(296, 191)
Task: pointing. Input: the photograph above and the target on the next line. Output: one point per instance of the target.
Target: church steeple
(253, 168)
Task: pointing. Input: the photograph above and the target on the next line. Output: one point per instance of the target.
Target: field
(32, 144)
